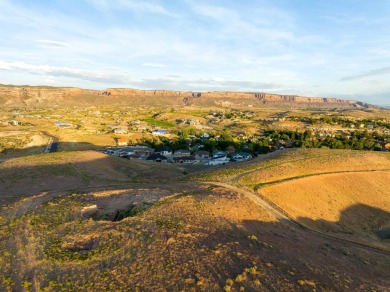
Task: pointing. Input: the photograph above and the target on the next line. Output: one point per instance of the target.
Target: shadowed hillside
(30, 175)
(199, 237)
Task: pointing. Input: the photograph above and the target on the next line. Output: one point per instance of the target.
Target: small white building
(120, 130)
(159, 132)
(14, 123)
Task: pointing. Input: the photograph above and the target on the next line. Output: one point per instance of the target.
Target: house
(192, 122)
(230, 149)
(387, 147)
(159, 132)
(205, 136)
(182, 152)
(121, 141)
(14, 123)
(241, 156)
(120, 131)
(157, 157)
(219, 157)
(114, 151)
(186, 159)
(165, 151)
(218, 160)
(142, 128)
(126, 152)
(62, 124)
(237, 157)
(202, 154)
(246, 155)
(138, 150)
(219, 153)
(135, 156)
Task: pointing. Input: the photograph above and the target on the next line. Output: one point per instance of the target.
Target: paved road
(54, 147)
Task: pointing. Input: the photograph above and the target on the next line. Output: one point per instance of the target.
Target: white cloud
(380, 52)
(209, 84)
(153, 65)
(134, 5)
(380, 71)
(233, 22)
(53, 44)
(346, 19)
(144, 6)
(96, 76)
(168, 82)
(99, 4)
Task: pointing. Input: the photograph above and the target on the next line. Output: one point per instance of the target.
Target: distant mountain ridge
(46, 96)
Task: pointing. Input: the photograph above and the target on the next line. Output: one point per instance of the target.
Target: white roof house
(159, 132)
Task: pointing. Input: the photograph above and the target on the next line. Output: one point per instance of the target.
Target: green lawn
(154, 122)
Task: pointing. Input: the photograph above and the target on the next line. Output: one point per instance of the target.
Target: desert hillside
(45, 96)
(285, 221)
(342, 193)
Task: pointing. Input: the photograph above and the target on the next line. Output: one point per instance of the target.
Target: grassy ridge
(296, 162)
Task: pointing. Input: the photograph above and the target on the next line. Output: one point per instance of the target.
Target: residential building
(159, 132)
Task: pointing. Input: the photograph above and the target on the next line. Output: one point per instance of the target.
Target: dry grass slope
(343, 193)
(129, 225)
(202, 238)
(30, 175)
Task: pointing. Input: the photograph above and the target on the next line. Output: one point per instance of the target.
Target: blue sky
(333, 48)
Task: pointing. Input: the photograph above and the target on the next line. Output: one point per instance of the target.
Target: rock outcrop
(42, 96)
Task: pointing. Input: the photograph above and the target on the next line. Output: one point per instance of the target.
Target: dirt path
(29, 204)
(275, 182)
(283, 217)
(261, 202)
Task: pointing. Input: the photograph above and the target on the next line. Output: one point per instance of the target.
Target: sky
(333, 48)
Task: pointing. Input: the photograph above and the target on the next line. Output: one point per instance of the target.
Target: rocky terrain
(55, 96)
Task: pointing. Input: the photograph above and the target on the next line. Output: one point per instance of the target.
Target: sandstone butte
(45, 96)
